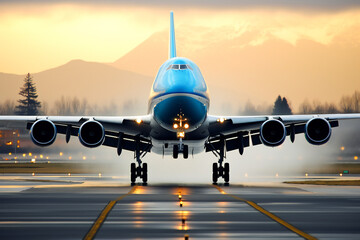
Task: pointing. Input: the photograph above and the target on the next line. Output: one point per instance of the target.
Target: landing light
(186, 126)
(138, 121)
(180, 134)
(221, 120)
(175, 126)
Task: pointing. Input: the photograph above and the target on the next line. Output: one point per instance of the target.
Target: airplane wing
(237, 132)
(118, 132)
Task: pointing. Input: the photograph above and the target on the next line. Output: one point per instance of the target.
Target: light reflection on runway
(153, 212)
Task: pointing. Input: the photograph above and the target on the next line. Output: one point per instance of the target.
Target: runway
(92, 207)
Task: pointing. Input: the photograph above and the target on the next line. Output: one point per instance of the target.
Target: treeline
(347, 104)
(71, 106)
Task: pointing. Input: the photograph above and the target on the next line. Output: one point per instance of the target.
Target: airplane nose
(169, 111)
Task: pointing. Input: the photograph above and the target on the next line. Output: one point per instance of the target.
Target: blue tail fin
(172, 46)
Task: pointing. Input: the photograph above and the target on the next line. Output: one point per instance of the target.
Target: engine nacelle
(317, 131)
(272, 133)
(91, 134)
(43, 132)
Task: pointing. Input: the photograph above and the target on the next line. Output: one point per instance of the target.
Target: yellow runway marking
(270, 215)
(100, 220)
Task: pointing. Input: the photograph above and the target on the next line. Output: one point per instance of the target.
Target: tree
(356, 101)
(305, 107)
(7, 108)
(346, 104)
(281, 107)
(29, 105)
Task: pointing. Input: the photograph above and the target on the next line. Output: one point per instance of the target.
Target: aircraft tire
(133, 172)
(175, 151)
(144, 173)
(186, 151)
(226, 172)
(215, 174)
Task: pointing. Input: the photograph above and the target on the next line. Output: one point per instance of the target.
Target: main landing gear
(141, 170)
(220, 170)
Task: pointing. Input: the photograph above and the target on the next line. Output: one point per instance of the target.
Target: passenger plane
(178, 123)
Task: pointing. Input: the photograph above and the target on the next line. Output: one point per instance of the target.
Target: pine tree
(29, 104)
(286, 110)
(281, 107)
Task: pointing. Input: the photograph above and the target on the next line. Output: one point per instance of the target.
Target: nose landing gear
(180, 148)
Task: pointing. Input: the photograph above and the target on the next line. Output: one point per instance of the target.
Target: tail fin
(172, 47)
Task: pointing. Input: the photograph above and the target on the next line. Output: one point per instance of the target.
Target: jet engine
(43, 132)
(91, 134)
(317, 131)
(272, 133)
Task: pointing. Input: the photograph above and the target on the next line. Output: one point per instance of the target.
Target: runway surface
(87, 207)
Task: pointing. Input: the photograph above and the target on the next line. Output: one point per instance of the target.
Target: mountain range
(236, 70)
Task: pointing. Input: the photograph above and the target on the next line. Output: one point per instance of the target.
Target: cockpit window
(179, 66)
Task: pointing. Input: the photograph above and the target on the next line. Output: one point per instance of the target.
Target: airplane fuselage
(179, 103)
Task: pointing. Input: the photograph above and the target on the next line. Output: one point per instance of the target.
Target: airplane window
(175, 66)
(179, 66)
(183, 66)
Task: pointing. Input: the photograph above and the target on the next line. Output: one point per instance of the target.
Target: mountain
(252, 66)
(237, 66)
(147, 57)
(98, 83)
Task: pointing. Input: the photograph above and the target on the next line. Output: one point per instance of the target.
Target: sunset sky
(37, 35)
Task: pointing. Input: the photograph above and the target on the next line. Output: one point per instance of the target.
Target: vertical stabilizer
(172, 46)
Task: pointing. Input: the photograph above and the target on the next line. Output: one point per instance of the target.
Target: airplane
(178, 123)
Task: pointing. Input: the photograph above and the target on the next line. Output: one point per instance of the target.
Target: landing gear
(186, 151)
(221, 171)
(141, 170)
(176, 151)
(218, 169)
(180, 148)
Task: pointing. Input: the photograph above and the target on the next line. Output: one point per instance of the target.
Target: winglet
(172, 46)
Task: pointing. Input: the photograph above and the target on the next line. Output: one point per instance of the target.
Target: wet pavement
(70, 207)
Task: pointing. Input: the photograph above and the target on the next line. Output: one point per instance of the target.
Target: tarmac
(106, 207)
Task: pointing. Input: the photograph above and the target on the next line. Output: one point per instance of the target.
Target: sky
(37, 35)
